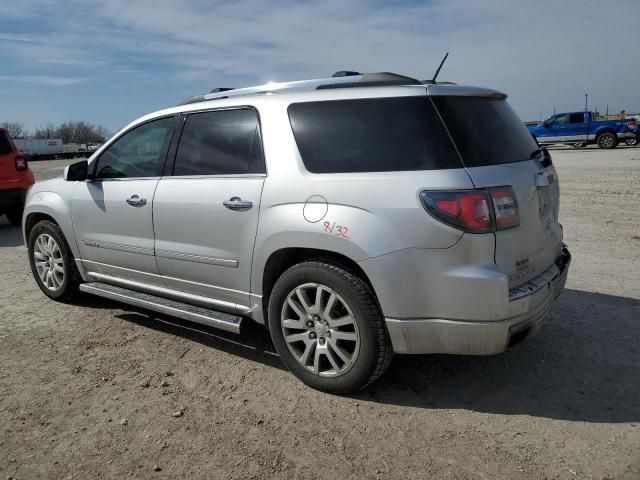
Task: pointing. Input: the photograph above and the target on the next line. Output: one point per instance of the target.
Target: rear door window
(576, 118)
(221, 142)
(486, 130)
(5, 144)
(371, 135)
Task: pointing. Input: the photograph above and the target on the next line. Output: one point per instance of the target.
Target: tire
(45, 254)
(353, 329)
(15, 217)
(607, 140)
(631, 141)
(579, 145)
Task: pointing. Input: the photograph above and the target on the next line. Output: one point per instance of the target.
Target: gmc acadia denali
(354, 216)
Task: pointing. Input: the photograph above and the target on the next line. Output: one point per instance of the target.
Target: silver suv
(354, 216)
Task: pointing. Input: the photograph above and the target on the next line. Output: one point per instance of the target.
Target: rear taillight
(476, 211)
(505, 208)
(21, 163)
(632, 124)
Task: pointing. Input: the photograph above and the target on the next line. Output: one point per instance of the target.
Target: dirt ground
(92, 390)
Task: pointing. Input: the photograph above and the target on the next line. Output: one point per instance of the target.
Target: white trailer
(42, 149)
(39, 148)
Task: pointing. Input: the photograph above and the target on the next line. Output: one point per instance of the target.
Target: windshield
(486, 130)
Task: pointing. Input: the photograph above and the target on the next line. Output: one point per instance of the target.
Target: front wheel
(607, 140)
(52, 262)
(327, 327)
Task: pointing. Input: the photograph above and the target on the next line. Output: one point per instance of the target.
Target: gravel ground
(97, 390)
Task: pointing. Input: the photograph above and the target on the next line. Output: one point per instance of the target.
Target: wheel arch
(282, 259)
(603, 130)
(49, 206)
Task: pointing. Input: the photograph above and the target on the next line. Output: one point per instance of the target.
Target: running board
(205, 316)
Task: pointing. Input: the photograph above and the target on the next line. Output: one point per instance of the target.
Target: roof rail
(342, 79)
(374, 80)
(345, 73)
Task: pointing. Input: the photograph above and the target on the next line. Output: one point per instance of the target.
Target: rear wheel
(631, 141)
(327, 327)
(52, 262)
(607, 140)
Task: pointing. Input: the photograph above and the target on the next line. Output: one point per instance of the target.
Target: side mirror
(76, 172)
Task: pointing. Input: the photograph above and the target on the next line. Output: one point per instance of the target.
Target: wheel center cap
(321, 329)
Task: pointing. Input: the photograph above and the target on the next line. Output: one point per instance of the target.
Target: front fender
(56, 207)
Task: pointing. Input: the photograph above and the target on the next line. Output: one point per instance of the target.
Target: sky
(111, 61)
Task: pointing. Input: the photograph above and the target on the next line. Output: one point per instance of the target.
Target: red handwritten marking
(337, 230)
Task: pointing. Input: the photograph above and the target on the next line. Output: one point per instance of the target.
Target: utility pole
(554, 109)
(607, 109)
(586, 102)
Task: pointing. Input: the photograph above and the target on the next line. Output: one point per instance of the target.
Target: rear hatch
(497, 150)
(7, 158)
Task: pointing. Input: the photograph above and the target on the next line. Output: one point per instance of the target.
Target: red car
(15, 179)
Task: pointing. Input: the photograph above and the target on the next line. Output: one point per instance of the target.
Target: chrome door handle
(136, 201)
(236, 203)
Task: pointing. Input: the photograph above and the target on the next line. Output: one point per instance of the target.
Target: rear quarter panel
(359, 215)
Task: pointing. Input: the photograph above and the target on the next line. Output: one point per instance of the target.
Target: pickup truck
(581, 128)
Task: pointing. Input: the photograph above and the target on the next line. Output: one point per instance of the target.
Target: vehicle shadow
(583, 365)
(253, 343)
(10, 236)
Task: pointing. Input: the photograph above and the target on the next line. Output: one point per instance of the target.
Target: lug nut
(309, 324)
(321, 341)
(312, 335)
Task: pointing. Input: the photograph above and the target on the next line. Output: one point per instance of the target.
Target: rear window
(5, 144)
(222, 142)
(486, 130)
(371, 135)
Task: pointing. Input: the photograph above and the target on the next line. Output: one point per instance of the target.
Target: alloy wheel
(320, 330)
(48, 261)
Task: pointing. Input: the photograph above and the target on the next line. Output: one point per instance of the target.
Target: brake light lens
(505, 208)
(475, 211)
(467, 210)
(21, 163)
(632, 124)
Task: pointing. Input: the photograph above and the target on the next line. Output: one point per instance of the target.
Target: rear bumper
(11, 198)
(532, 301)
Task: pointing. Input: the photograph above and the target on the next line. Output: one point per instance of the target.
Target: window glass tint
(561, 119)
(371, 135)
(223, 142)
(138, 153)
(5, 144)
(486, 130)
(576, 118)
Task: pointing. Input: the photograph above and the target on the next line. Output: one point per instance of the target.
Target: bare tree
(15, 129)
(47, 131)
(81, 132)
